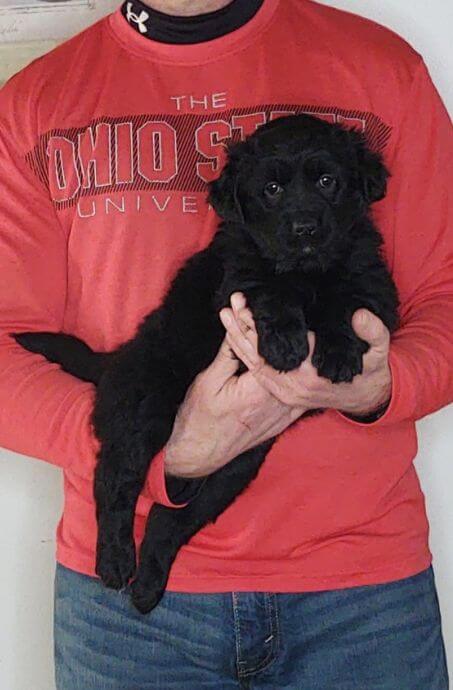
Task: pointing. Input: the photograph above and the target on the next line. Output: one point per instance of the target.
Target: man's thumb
(224, 365)
(370, 328)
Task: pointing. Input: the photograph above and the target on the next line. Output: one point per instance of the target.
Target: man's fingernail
(237, 300)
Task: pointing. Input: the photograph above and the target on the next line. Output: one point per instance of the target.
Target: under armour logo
(140, 19)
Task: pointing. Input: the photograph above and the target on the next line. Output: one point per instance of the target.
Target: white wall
(426, 24)
(30, 492)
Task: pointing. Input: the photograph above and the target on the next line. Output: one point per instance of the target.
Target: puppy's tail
(73, 355)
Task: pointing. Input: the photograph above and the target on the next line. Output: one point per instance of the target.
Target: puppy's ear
(373, 174)
(224, 191)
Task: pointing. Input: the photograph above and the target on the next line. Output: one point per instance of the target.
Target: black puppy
(298, 241)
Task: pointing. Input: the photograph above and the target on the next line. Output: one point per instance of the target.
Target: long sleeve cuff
(403, 400)
(171, 492)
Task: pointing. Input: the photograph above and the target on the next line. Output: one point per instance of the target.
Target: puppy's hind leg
(116, 491)
(119, 478)
(132, 429)
(168, 529)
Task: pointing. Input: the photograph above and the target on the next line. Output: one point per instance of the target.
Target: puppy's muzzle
(305, 228)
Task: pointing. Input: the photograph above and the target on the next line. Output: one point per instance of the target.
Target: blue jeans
(380, 637)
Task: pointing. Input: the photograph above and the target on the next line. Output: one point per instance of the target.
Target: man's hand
(303, 387)
(222, 416)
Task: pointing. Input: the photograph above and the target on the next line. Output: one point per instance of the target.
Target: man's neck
(187, 8)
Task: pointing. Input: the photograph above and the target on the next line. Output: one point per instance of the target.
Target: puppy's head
(297, 186)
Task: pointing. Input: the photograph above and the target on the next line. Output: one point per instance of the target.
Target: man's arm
(44, 412)
(419, 206)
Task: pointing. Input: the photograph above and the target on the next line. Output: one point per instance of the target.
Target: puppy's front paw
(115, 563)
(282, 343)
(338, 358)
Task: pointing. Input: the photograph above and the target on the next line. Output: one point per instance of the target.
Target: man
(318, 576)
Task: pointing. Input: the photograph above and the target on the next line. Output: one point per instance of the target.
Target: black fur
(297, 239)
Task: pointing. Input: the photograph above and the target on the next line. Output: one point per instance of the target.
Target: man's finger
(235, 337)
(241, 313)
(245, 319)
(239, 341)
(224, 365)
(370, 328)
(240, 354)
(311, 344)
(237, 301)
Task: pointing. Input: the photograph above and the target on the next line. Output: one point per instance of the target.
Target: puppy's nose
(304, 228)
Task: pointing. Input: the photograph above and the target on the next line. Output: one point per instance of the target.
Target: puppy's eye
(273, 190)
(327, 182)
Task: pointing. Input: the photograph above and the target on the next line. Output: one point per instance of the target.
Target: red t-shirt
(106, 145)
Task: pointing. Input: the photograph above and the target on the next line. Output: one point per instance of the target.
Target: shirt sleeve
(171, 491)
(45, 413)
(418, 210)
